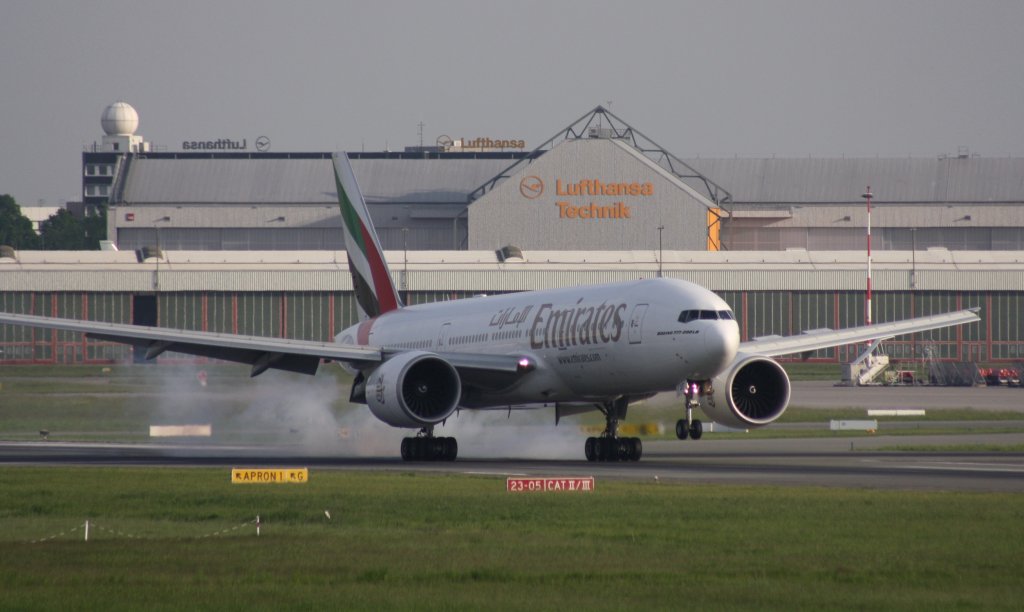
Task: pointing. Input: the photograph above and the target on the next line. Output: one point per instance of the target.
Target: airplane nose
(721, 342)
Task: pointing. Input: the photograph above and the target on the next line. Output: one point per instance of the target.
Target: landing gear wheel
(636, 449)
(609, 446)
(613, 449)
(682, 432)
(429, 449)
(696, 430)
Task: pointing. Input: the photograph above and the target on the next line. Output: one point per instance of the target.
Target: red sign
(570, 484)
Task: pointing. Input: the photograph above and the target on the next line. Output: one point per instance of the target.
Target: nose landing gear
(690, 427)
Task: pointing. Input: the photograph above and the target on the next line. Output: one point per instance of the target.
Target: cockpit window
(707, 315)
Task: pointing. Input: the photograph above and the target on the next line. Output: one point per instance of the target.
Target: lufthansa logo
(262, 144)
(531, 187)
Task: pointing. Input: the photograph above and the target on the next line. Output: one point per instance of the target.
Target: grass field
(119, 403)
(406, 541)
(185, 538)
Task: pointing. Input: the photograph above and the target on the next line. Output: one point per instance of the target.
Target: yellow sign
(269, 475)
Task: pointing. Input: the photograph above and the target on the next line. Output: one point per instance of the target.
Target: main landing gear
(425, 447)
(608, 446)
(690, 427)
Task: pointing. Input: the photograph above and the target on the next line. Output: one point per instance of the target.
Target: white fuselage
(588, 343)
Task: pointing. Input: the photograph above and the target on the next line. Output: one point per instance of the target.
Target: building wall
(535, 209)
(961, 227)
(286, 201)
(319, 315)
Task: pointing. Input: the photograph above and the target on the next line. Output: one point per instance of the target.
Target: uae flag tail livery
(371, 281)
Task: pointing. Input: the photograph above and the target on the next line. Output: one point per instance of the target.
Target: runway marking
(494, 474)
(961, 467)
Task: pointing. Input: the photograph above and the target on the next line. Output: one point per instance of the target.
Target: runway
(820, 462)
(490, 449)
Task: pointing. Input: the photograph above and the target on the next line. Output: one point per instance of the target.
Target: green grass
(119, 403)
(455, 542)
(803, 371)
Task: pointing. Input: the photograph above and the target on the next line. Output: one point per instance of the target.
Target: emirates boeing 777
(598, 347)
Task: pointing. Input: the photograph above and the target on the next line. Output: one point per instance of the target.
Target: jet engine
(752, 392)
(413, 389)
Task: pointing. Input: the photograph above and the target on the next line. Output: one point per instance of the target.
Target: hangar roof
(282, 180)
(896, 180)
(156, 180)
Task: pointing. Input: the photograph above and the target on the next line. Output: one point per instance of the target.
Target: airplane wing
(772, 346)
(260, 352)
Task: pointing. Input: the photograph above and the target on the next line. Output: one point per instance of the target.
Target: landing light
(525, 365)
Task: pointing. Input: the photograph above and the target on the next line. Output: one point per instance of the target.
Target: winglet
(374, 288)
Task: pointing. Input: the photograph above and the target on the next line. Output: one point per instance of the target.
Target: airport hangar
(250, 242)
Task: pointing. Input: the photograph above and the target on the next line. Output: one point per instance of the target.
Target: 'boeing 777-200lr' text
(574, 349)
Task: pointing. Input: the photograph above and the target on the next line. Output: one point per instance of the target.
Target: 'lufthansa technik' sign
(591, 198)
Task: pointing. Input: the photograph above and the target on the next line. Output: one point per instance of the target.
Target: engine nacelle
(413, 389)
(752, 392)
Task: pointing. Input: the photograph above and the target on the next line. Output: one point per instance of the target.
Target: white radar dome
(120, 119)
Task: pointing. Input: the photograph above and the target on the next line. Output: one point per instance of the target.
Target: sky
(728, 78)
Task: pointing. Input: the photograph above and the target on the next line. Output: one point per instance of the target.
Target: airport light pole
(913, 258)
(867, 302)
(405, 262)
(159, 251)
(661, 253)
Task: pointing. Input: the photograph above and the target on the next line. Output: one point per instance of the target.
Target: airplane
(573, 349)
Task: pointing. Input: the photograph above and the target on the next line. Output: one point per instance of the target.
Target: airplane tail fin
(374, 288)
